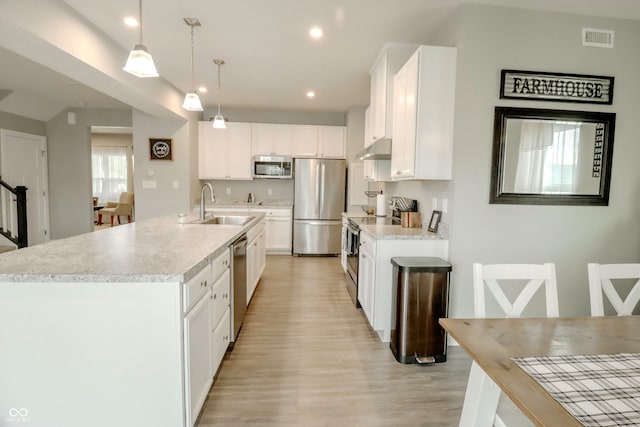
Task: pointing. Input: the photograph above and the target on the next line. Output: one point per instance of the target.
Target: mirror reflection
(551, 156)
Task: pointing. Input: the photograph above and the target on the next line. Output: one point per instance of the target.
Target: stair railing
(9, 217)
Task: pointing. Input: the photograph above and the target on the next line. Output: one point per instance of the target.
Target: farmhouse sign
(543, 86)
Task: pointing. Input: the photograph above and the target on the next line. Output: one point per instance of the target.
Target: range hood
(379, 150)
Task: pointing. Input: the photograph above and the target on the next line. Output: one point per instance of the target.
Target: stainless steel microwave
(272, 167)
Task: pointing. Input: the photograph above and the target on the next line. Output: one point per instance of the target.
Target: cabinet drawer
(220, 264)
(279, 213)
(220, 293)
(196, 287)
(220, 341)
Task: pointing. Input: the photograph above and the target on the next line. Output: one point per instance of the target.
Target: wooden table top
(492, 343)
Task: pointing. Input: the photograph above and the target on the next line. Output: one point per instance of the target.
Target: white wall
(165, 199)
(494, 38)
(69, 155)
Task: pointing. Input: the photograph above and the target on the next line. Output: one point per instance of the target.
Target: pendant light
(218, 120)
(140, 63)
(191, 99)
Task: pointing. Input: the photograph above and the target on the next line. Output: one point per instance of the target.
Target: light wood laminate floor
(307, 357)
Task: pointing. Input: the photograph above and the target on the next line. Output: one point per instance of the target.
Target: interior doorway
(23, 161)
(112, 167)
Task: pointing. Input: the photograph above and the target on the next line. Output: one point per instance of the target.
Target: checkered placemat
(598, 390)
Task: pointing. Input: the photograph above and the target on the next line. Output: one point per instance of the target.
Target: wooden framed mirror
(551, 157)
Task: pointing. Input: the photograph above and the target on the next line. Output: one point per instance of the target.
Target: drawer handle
(214, 296)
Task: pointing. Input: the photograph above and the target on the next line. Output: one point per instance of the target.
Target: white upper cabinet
(224, 153)
(319, 141)
(423, 110)
(305, 141)
(273, 139)
(389, 61)
(332, 142)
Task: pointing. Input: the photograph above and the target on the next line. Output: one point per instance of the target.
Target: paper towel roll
(381, 205)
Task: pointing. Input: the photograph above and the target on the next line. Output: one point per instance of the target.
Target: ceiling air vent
(597, 38)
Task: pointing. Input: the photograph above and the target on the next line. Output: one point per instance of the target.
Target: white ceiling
(270, 60)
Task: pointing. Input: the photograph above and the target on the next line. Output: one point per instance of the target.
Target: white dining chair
(601, 277)
(483, 395)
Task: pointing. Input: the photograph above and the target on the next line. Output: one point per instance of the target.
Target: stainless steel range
(352, 240)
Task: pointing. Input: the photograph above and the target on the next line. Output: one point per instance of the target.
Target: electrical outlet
(270, 191)
(434, 204)
(228, 190)
(444, 205)
(176, 185)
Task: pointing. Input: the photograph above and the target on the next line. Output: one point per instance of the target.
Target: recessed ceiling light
(315, 32)
(202, 89)
(311, 94)
(130, 21)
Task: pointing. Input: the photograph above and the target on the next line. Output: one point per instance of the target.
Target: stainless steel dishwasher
(239, 288)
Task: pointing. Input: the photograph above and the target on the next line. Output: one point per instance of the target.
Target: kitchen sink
(226, 219)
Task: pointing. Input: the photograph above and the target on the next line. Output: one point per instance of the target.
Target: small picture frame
(434, 222)
(160, 149)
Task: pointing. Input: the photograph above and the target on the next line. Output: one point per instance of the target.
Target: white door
(23, 161)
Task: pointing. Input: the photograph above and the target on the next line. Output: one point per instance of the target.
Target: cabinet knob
(214, 296)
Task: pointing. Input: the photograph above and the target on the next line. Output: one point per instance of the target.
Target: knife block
(410, 220)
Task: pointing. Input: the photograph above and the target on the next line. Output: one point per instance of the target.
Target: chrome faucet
(213, 198)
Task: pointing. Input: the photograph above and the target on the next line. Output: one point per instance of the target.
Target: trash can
(421, 297)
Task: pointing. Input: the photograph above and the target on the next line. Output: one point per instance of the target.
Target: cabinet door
(239, 152)
(332, 142)
(220, 296)
(278, 233)
(262, 137)
(379, 97)
(305, 141)
(282, 140)
(369, 170)
(366, 277)
(368, 124)
(197, 338)
(221, 335)
(261, 256)
(212, 152)
(357, 185)
(405, 120)
(251, 268)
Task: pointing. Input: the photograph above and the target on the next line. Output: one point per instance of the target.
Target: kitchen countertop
(393, 232)
(396, 232)
(153, 250)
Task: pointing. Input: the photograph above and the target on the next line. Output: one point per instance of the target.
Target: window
(110, 170)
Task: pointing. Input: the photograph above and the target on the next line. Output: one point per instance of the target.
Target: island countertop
(152, 250)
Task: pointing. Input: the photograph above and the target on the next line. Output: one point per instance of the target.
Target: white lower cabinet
(197, 357)
(366, 276)
(204, 330)
(278, 227)
(375, 274)
(255, 258)
(221, 336)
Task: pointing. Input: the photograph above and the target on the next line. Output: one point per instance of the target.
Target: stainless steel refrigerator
(318, 203)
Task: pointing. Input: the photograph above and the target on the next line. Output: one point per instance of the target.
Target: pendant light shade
(191, 99)
(192, 102)
(140, 63)
(218, 120)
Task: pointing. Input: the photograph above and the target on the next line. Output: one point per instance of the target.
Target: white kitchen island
(94, 329)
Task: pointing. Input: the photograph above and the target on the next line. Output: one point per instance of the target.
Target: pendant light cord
(219, 91)
(140, 16)
(193, 76)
